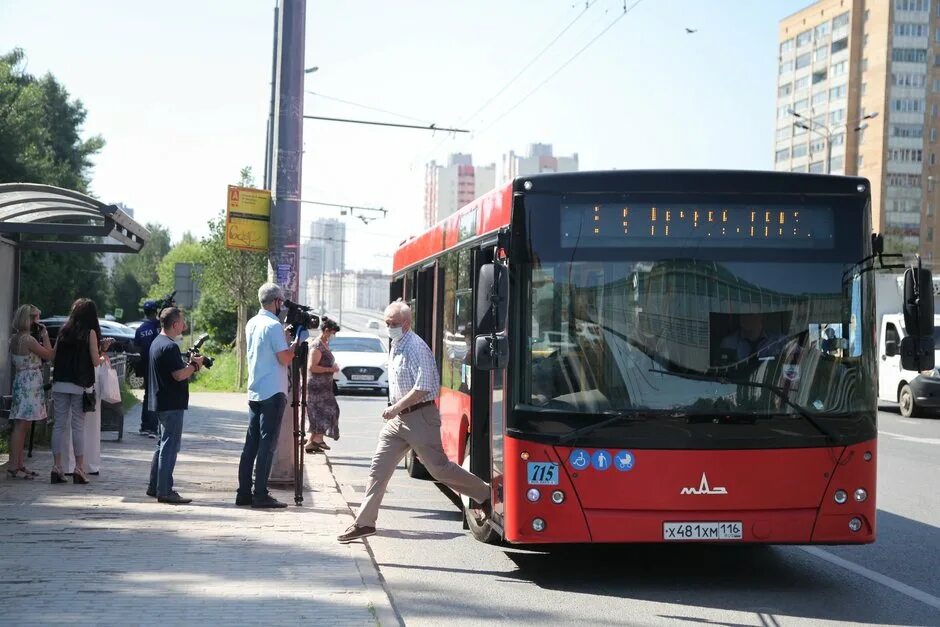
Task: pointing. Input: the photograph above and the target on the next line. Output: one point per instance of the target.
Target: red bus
(657, 356)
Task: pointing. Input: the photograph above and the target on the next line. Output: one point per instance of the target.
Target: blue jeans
(164, 458)
(264, 424)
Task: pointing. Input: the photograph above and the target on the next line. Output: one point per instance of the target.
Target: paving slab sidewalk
(105, 553)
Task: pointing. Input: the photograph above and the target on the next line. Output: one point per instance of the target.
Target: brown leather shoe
(355, 532)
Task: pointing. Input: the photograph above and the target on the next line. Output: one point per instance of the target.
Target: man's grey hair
(399, 307)
(270, 292)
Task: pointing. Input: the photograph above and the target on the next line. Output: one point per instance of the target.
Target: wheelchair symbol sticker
(624, 461)
(579, 459)
(600, 460)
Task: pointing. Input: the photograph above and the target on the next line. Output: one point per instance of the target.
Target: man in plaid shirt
(412, 420)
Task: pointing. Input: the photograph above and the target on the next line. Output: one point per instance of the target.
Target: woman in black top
(77, 353)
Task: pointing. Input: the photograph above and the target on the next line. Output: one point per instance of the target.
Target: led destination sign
(601, 225)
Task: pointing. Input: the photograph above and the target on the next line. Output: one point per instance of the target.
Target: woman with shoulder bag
(76, 355)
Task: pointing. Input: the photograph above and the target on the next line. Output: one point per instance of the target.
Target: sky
(180, 92)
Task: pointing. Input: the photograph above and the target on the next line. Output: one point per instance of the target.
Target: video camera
(299, 317)
(194, 352)
(167, 301)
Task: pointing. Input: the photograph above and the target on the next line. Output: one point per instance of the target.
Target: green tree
(134, 275)
(40, 142)
(232, 277)
(184, 252)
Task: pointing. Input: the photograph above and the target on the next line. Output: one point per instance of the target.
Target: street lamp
(826, 131)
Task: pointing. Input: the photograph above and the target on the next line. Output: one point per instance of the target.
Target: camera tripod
(298, 384)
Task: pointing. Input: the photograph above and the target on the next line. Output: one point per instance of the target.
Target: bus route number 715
(543, 473)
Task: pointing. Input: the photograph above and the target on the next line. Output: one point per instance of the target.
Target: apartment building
(858, 93)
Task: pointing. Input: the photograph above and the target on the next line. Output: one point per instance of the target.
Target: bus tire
(482, 532)
(906, 402)
(414, 467)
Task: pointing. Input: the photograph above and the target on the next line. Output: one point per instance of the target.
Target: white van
(913, 391)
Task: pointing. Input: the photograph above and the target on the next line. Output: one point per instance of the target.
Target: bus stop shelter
(42, 217)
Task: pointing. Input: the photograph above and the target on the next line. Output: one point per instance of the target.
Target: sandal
(323, 445)
(313, 447)
(31, 473)
(19, 473)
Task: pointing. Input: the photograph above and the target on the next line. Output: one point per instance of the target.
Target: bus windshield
(711, 330)
(608, 335)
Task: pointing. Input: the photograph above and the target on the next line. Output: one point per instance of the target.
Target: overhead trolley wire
(519, 74)
(562, 67)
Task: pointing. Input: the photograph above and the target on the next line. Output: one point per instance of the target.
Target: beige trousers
(420, 430)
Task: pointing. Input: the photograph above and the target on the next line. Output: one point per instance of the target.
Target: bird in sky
(689, 31)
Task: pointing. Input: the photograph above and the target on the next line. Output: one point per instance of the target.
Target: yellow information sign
(247, 218)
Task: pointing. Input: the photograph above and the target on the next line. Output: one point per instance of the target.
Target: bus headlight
(861, 494)
(840, 497)
(533, 495)
(558, 497)
(538, 524)
(855, 524)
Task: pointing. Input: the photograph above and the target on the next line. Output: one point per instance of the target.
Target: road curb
(377, 591)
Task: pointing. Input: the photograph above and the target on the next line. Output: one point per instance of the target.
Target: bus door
(487, 406)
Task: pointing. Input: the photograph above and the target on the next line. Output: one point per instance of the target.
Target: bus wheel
(414, 467)
(906, 402)
(485, 532)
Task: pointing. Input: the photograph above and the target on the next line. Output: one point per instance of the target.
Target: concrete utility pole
(283, 258)
(284, 254)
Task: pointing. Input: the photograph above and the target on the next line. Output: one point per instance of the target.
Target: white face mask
(395, 332)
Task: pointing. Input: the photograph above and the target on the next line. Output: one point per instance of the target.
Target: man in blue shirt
(269, 356)
(143, 338)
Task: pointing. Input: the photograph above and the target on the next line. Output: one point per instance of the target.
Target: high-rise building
(540, 159)
(864, 75)
(449, 187)
(322, 252)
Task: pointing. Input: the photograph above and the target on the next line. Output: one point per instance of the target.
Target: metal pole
(284, 243)
(828, 138)
(288, 138)
(342, 270)
(269, 140)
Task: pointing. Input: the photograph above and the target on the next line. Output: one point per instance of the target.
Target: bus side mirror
(917, 348)
(491, 352)
(492, 299)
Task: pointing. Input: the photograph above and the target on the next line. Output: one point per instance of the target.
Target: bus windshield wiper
(615, 418)
(775, 390)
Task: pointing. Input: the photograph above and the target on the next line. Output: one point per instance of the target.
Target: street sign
(186, 280)
(247, 218)
(118, 313)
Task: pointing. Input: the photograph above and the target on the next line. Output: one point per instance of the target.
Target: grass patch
(128, 399)
(220, 378)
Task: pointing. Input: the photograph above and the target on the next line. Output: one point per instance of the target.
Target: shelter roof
(30, 213)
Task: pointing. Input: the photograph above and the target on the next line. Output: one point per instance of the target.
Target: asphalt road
(357, 320)
(437, 572)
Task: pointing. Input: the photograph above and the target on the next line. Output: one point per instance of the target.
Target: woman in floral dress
(28, 399)
(322, 409)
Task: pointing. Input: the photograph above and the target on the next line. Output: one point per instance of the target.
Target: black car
(123, 335)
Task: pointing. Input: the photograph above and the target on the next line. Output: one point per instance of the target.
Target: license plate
(685, 531)
(362, 377)
(543, 473)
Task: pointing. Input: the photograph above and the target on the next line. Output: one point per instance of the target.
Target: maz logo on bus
(703, 488)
